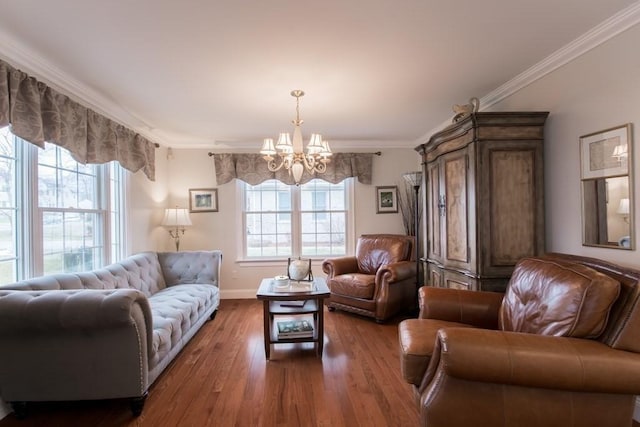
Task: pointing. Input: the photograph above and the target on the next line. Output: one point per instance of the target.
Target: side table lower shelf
(312, 309)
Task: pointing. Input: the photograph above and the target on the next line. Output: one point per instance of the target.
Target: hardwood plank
(221, 378)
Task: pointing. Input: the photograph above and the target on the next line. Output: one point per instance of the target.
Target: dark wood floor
(221, 378)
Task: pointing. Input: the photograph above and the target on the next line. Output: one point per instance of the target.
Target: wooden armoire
(484, 202)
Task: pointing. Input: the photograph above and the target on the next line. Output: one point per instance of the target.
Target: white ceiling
(218, 73)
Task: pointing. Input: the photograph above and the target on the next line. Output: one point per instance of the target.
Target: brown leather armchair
(379, 281)
(559, 348)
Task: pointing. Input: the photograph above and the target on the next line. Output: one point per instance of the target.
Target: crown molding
(19, 56)
(593, 38)
(25, 59)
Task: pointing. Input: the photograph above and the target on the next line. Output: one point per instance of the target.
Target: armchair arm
(337, 266)
(396, 272)
(541, 361)
(477, 308)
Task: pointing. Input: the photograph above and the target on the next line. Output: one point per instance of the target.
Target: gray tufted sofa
(103, 334)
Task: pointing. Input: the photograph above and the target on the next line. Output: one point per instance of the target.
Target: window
(69, 220)
(9, 161)
(310, 220)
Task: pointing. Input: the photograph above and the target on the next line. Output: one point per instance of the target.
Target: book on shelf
(295, 328)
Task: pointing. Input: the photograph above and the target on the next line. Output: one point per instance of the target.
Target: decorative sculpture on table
(299, 270)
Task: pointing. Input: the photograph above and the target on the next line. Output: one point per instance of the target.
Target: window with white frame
(56, 215)
(9, 254)
(310, 220)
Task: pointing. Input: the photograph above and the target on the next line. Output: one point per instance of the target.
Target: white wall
(194, 168)
(146, 202)
(596, 91)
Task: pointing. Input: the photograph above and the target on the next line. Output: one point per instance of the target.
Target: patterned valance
(252, 169)
(37, 113)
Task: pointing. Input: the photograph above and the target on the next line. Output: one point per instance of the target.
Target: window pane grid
(116, 184)
(70, 242)
(268, 220)
(69, 219)
(318, 208)
(64, 183)
(9, 212)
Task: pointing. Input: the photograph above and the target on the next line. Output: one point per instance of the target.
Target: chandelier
(290, 155)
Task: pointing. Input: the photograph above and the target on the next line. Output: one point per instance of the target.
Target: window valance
(252, 169)
(38, 114)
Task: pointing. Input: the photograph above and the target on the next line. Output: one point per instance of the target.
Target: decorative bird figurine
(465, 110)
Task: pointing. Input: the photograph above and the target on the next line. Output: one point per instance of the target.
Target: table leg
(320, 327)
(267, 328)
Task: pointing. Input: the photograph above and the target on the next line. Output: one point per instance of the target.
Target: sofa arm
(529, 360)
(74, 344)
(476, 308)
(336, 266)
(191, 267)
(396, 272)
(70, 309)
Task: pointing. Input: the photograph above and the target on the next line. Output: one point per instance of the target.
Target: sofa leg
(137, 404)
(19, 409)
(213, 315)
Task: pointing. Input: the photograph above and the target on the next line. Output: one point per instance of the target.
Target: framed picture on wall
(387, 199)
(605, 153)
(203, 200)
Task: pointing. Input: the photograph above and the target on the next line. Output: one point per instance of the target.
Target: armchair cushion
(355, 285)
(374, 251)
(555, 298)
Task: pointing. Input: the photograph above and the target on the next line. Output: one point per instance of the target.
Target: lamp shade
(315, 144)
(267, 147)
(176, 217)
(620, 151)
(413, 178)
(623, 207)
(326, 150)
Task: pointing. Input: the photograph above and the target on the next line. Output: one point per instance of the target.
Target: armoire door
(458, 214)
(434, 213)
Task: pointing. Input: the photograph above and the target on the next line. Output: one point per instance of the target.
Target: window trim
(29, 243)
(240, 226)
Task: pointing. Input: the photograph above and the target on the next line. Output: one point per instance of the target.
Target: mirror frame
(591, 154)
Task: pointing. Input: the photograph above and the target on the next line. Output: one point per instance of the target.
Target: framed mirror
(607, 190)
